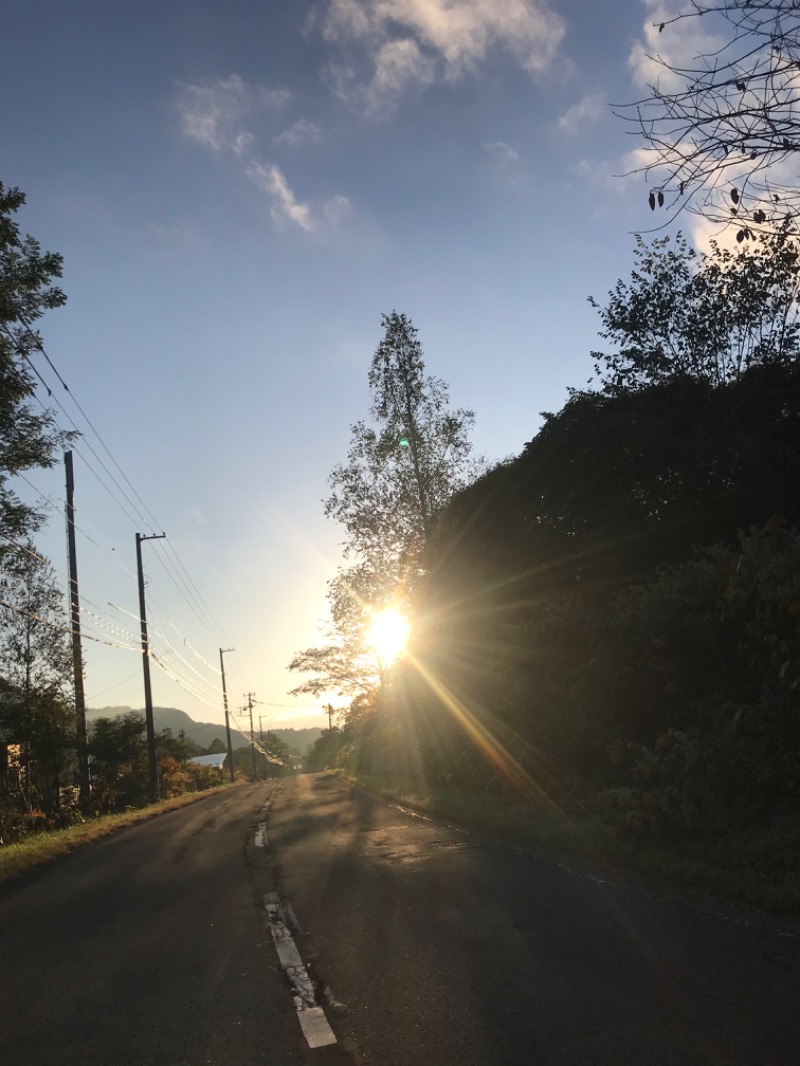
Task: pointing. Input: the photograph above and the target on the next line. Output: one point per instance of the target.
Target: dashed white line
(260, 839)
(311, 1016)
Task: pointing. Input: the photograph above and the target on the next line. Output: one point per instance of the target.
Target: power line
(136, 513)
(65, 627)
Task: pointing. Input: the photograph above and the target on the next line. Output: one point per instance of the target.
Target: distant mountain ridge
(203, 733)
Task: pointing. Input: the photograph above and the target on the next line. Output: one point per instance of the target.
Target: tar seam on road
(311, 1016)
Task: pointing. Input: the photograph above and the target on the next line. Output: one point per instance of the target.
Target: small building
(214, 761)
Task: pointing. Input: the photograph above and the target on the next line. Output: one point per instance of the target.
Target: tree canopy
(28, 438)
(708, 316)
(617, 605)
(403, 465)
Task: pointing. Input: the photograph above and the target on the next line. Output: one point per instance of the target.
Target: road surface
(302, 921)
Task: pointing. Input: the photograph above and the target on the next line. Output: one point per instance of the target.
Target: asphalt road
(409, 942)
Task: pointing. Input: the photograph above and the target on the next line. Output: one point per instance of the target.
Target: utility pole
(329, 709)
(250, 696)
(148, 695)
(77, 654)
(222, 651)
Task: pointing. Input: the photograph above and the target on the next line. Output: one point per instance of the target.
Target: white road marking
(260, 840)
(311, 1016)
(315, 1027)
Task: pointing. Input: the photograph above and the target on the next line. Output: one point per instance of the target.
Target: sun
(388, 634)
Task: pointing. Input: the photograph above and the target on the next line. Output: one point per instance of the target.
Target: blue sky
(239, 191)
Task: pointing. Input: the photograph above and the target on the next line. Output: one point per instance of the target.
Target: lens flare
(388, 634)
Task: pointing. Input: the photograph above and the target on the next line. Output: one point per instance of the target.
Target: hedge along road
(263, 924)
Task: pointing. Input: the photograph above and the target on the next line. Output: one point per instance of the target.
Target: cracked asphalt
(424, 944)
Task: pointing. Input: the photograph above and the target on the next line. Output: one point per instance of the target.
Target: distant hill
(203, 733)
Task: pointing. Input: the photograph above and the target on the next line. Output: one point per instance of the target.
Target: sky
(240, 190)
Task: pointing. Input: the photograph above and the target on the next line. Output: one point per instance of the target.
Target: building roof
(210, 760)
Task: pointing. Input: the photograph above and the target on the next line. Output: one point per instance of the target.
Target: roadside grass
(757, 868)
(41, 848)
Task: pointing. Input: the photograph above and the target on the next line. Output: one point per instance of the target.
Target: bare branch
(730, 120)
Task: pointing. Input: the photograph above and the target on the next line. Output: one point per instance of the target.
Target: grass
(41, 848)
(760, 869)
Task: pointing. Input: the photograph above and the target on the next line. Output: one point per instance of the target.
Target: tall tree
(402, 468)
(28, 438)
(35, 663)
(722, 127)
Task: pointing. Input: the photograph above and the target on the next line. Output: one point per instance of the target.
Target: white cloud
(211, 112)
(503, 151)
(300, 134)
(413, 43)
(242, 143)
(680, 44)
(588, 109)
(271, 180)
(504, 166)
(399, 65)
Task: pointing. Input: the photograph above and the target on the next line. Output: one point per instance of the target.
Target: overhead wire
(137, 515)
(37, 340)
(57, 510)
(64, 626)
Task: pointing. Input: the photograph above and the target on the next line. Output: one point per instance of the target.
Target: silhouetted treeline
(610, 621)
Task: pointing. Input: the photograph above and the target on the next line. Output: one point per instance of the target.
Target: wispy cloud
(216, 114)
(678, 45)
(337, 210)
(504, 166)
(271, 180)
(501, 150)
(212, 112)
(588, 109)
(394, 46)
(299, 134)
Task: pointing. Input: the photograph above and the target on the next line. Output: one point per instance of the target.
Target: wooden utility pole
(250, 696)
(148, 695)
(77, 653)
(227, 716)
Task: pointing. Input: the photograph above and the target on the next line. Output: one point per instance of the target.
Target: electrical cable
(171, 561)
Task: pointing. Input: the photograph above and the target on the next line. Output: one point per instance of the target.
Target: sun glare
(388, 635)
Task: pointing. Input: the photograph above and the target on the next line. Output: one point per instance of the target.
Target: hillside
(204, 733)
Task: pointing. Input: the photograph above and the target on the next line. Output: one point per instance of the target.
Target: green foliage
(705, 316)
(35, 648)
(400, 472)
(402, 469)
(35, 678)
(345, 664)
(118, 762)
(27, 439)
(201, 778)
(590, 608)
(615, 485)
(323, 753)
